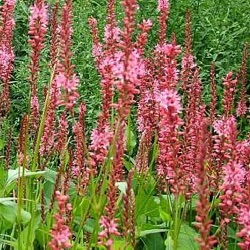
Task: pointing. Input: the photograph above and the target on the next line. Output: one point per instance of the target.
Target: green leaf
(147, 226)
(9, 212)
(131, 139)
(81, 205)
(152, 231)
(2, 200)
(89, 225)
(25, 216)
(30, 234)
(187, 238)
(50, 175)
(121, 244)
(232, 233)
(154, 153)
(128, 164)
(49, 184)
(169, 243)
(23, 172)
(153, 241)
(66, 157)
(145, 204)
(165, 216)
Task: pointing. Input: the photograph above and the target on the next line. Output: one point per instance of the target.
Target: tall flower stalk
(229, 93)
(66, 80)
(242, 104)
(163, 8)
(60, 232)
(7, 24)
(203, 207)
(38, 22)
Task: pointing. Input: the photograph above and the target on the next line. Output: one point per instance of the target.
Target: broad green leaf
(165, 216)
(42, 234)
(152, 231)
(2, 200)
(169, 243)
(88, 226)
(14, 174)
(9, 211)
(145, 204)
(187, 238)
(25, 216)
(153, 241)
(147, 226)
(50, 175)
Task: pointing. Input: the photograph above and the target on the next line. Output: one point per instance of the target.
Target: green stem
(34, 164)
(177, 223)
(42, 124)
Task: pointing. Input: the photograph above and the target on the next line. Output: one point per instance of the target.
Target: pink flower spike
(61, 233)
(229, 93)
(112, 33)
(170, 50)
(39, 13)
(234, 176)
(38, 22)
(162, 5)
(225, 126)
(7, 24)
(100, 142)
(69, 87)
(170, 100)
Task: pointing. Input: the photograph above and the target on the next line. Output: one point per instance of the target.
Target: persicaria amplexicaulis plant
(162, 165)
